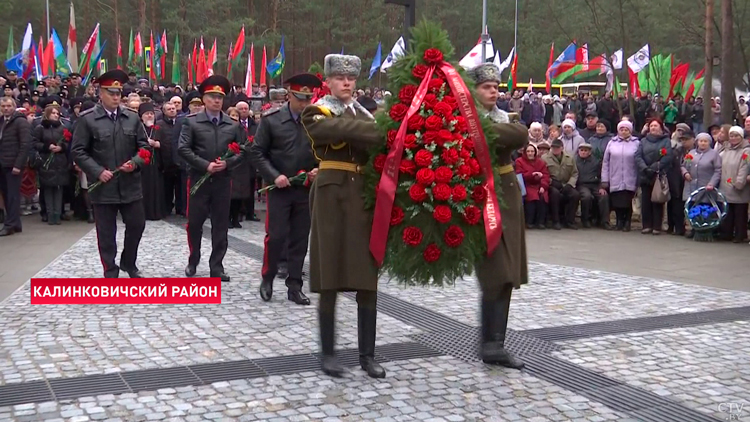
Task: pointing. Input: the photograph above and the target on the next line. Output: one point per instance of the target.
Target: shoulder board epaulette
(85, 112)
(270, 112)
(129, 111)
(192, 115)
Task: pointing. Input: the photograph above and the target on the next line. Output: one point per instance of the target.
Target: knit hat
(570, 123)
(625, 124)
(536, 125)
(738, 130)
(704, 136)
(683, 127)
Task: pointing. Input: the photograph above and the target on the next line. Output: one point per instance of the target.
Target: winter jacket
(526, 167)
(735, 166)
(52, 133)
(619, 169)
(15, 141)
(561, 169)
(654, 155)
(704, 168)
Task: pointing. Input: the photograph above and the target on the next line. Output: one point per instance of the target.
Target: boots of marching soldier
(494, 327)
(366, 323)
(329, 363)
(294, 292)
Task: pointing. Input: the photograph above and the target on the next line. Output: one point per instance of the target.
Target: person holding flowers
(108, 143)
(212, 144)
(507, 266)
(735, 167)
(341, 132)
(701, 168)
(653, 158)
(52, 140)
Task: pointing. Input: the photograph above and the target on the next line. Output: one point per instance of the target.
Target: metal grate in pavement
(464, 344)
(285, 365)
(210, 373)
(90, 385)
(155, 379)
(32, 391)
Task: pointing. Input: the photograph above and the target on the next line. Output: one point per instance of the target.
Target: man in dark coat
(15, 140)
(205, 137)
(588, 183)
(280, 151)
(248, 123)
(168, 138)
(107, 138)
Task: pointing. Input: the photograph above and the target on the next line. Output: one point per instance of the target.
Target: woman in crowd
(49, 139)
(600, 139)
(553, 133)
(685, 143)
(653, 158)
(536, 133)
(151, 176)
(701, 168)
(536, 179)
(735, 165)
(241, 187)
(620, 173)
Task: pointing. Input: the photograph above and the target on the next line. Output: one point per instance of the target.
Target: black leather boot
(366, 324)
(494, 325)
(330, 365)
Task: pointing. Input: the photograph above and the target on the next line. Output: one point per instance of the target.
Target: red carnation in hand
(407, 167)
(423, 158)
(415, 122)
(443, 109)
(444, 135)
(441, 192)
(459, 193)
(235, 148)
(474, 164)
(250, 139)
(397, 215)
(410, 141)
(472, 214)
(479, 194)
(430, 137)
(419, 71)
(144, 155)
(407, 93)
(425, 177)
(442, 214)
(450, 156)
(430, 101)
(464, 171)
(391, 138)
(663, 152)
(433, 55)
(451, 100)
(454, 236)
(417, 193)
(398, 111)
(431, 253)
(434, 123)
(412, 236)
(379, 163)
(435, 85)
(443, 174)
(67, 135)
(729, 180)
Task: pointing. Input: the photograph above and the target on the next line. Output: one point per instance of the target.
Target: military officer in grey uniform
(107, 138)
(204, 137)
(281, 150)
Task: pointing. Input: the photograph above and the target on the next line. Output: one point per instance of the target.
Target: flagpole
(48, 28)
(515, 32)
(485, 35)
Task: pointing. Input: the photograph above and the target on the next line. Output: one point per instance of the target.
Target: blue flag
(61, 61)
(95, 61)
(276, 66)
(15, 64)
(375, 62)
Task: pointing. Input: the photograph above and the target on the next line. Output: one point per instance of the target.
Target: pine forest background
(314, 28)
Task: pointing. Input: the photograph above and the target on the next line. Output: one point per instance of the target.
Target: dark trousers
(735, 222)
(536, 212)
(10, 186)
(676, 214)
(567, 198)
(106, 235)
(184, 191)
(287, 219)
(235, 205)
(53, 200)
(173, 191)
(212, 199)
(591, 197)
(250, 202)
(623, 217)
(652, 213)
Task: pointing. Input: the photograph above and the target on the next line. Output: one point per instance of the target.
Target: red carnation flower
(423, 158)
(443, 109)
(729, 181)
(433, 55)
(412, 236)
(479, 194)
(425, 177)
(663, 152)
(443, 174)
(410, 141)
(451, 100)
(435, 85)
(444, 135)
(234, 147)
(430, 137)
(417, 193)
(407, 167)
(464, 154)
(441, 192)
(430, 101)
(391, 137)
(450, 156)
(453, 237)
(67, 135)
(431, 253)
(419, 71)
(464, 171)
(442, 214)
(459, 193)
(144, 155)
(379, 163)
(472, 214)
(474, 164)
(415, 122)
(397, 216)
(468, 144)
(407, 93)
(398, 111)
(434, 123)
(156, 127)
(461, 124)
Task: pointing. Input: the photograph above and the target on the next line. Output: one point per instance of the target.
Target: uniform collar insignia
(338, 108)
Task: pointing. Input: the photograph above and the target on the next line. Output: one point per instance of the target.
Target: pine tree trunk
(727, 68)
(709, 67)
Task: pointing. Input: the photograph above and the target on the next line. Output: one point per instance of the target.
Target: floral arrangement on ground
(436, 233)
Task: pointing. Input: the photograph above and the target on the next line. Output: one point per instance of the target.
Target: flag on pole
(193, 65)
(49, 58)
(639, 60)
(26, 52)
(72, 45)
(276, 67)
(130, 52)
(375, 62)
(473, 58)
(10, 52)
(507, 62)
(236, 51)
(548, 80)
(152, 71)
(119, 51)
(88, 50)
(249, 73)
(164, 52)
(176, 76)
(201, 71)
(213, 59)
(513, 79)
(41, 56)
(263, 68)
(96, 59)
(61, 62)
(158, 54)
(397, 51)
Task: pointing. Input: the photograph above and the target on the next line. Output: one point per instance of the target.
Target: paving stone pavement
(695, 366)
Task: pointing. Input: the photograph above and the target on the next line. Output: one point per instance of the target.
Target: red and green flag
(513, 79)
(236, 52)
(176, 76)
(119, 51)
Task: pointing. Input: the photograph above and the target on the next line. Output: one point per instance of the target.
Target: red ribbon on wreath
(389, 180)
